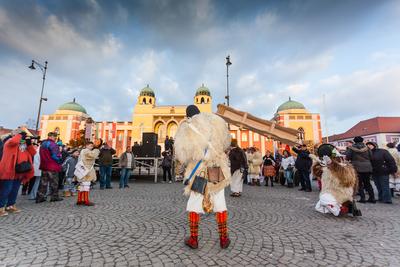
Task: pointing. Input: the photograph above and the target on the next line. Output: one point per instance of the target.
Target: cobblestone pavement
(145, 225)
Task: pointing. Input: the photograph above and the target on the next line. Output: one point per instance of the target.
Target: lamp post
(43, 69)
(228, 63)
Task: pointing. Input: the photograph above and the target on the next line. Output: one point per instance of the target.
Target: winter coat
(238, 159)
(105, 157)
(396, 155)
(123, 160)
(360, 156)
(12, 155)
(382, 162)
(254, 160)
(50, 156)
(167, 161)
(269, 161)
(69, 166)
(287, 161)
(88, 158)
(303, 161)
(36, 164)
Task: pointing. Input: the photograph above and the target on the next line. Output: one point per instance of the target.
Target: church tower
(203, 99)
(147, 97)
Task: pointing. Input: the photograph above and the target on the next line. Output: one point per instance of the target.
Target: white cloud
(364, 93)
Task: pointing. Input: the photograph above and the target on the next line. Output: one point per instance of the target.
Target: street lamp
(43, 69)
(228, 63)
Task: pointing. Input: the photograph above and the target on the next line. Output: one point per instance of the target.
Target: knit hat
(192, 110)
(358, 139)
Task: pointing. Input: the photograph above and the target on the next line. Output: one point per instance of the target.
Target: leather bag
(215, 175)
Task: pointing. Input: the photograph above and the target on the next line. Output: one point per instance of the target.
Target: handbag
(269, 170)
(215, 175)
(199, 184)
(80, 170)
(23, 167)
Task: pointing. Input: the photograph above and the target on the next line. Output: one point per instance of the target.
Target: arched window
(202, 100)
(144, 101)
(172, 127)
(159, 129)
(150, 101)
(301, 133)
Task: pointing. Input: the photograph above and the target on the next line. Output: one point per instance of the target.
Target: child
(69, 169)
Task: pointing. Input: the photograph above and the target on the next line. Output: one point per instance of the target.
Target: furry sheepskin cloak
(337, 179)
(204, 136)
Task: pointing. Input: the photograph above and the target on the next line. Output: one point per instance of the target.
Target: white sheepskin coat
(205, 131)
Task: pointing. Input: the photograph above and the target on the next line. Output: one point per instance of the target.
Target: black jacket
(382, 162)
(268, 161)
(360, 156)
(106, 156)
(303, 161)
(238, 159)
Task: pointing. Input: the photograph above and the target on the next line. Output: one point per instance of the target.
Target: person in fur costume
(201, 142)
(338, 182)
(88, 157)
(254, 161)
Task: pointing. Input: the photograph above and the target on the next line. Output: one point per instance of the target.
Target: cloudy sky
(103, 52)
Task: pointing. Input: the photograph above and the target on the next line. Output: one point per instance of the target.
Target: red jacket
(50, 156)
(11, 156)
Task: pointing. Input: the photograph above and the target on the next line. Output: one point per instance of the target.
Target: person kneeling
(338, 183)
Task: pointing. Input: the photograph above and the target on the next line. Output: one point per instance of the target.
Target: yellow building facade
(294, 115)
(163, 120)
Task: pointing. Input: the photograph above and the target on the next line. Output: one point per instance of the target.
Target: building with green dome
(294, 114)
(67, 121)
(72, 106)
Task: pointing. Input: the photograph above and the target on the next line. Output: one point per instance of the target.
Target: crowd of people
(47, 168)
(381, 165)
(250, 167)
(44, 168)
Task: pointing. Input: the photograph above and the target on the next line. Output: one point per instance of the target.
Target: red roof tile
(371, 126)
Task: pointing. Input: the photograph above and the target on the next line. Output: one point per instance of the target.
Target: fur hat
(325, 150)
(358, 139)
(234, 143)
(192, 110)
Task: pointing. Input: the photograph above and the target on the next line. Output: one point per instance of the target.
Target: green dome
(202, 90)
(147, 91)
(290, 104)
(73, 106)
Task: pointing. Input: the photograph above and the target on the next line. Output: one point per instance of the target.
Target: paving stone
(144, 225)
